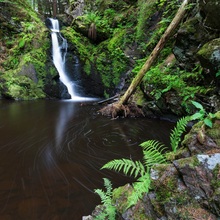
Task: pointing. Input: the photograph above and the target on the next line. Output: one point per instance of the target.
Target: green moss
(171, 156)
(217, 115)
(166, 190)
(28, 46)
(208, 48)
(145, 11)
(214, 133)
(87, 67)
(120, 197)
(215, 181)
(139, 97)
(106, 59)
(79, 42)
(190, 161)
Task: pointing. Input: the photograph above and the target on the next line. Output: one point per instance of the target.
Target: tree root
(115, 110)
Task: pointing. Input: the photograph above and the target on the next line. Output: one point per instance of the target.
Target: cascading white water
(59, 54)
(59, 50)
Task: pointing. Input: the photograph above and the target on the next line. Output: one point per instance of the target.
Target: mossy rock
(193, 211)
(202, 139)
(214, 132)
(209, 55)
(120, 197)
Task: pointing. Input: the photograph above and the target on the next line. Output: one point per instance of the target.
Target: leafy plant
(175, 136)
(106, 200)
(218, 74)
(153, 153)
(202, 115)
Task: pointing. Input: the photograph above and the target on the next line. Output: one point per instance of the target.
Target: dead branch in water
(109, 99)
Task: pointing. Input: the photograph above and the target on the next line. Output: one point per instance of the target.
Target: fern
(106, 200)
(129, 167)
(141, 186)
(153, 153)
(175, 136)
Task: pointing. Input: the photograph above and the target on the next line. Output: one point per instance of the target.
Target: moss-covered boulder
(190, 37)
(209, 56)
(202, 139)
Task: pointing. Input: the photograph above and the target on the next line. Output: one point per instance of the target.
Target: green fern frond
(153, 153)
(109, 210)
(127, 166)
(175, 136)
(108, 186)
(141, 186)
(102, 195)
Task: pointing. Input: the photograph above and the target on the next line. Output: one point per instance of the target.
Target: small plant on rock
(202, 115)
(153, 153)
(109, 211)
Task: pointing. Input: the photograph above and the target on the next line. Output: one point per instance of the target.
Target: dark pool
(51, 153)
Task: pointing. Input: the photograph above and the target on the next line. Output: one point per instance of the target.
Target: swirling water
(51, 153)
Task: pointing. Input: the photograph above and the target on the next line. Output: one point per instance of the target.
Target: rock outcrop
(186, 188)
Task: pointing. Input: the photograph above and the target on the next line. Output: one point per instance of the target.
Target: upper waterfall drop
(59, 51)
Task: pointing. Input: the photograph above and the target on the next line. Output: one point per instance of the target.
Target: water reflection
(51, 153)
(66, 112)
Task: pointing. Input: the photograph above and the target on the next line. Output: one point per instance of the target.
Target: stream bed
(51, 153)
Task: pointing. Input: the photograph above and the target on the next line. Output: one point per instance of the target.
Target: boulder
(189, 39)
(209, 10)
(209, 55)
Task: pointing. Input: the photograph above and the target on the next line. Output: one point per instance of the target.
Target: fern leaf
(109, 210)
(128, 167)
(101, 194)
(108, 186)
(153, 153)
(140, 187)
(175, 136)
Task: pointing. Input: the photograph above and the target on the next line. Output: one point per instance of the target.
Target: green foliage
(22, 87)
(91, 17)
(218, 74)
(177, 132)
(202, 115)
(152, 151)
(163, 80)
(145, 11)
(129, 167)
(25, 48)
(106, 200)
(142, 185)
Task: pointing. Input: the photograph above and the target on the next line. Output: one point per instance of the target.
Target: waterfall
(59, 51)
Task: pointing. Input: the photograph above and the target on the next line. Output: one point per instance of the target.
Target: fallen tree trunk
(118, 106)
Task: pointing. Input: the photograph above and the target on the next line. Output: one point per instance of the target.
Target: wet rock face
(195, 32)
(209, 10)
(190, 38)
(48, 23)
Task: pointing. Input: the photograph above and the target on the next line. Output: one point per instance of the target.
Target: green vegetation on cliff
(25, 44)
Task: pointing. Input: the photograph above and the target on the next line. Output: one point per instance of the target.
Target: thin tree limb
(154, 54)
